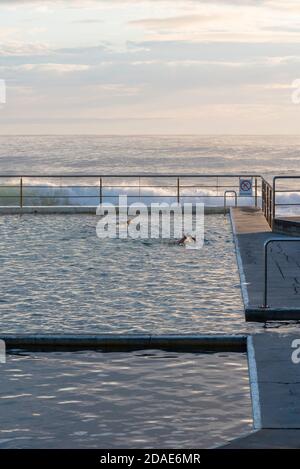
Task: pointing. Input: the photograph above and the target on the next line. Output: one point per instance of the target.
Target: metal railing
(267, 201)
(77, 189)
(286, 190)
(266, 244)
(225, 199)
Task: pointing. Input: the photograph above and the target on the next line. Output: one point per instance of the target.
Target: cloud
(183, 60)
(87, 21)
(278, 86)
(55, 67)
(18, 48)
(247, 2)
(174, 22)
(251, 22)
(116, 89)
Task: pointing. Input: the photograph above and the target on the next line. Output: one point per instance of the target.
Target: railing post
(139, 188)
(273, 202)
(178, 191)
(271, 209)
(268, 203)
(265, 303)
(271, 199)
(235, 198)
(255, 196)
(101, 191)
(21, 192)
(270, 214)
(271, 195)
(270, 206)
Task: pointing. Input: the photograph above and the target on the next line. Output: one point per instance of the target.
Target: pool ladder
(225, 199)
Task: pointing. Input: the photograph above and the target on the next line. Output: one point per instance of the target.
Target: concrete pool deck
(275, 392)
(251, 231)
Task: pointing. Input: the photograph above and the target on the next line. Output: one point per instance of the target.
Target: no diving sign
(246, 187)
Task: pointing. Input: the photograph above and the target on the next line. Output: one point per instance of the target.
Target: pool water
(145, 399)
(57, 276)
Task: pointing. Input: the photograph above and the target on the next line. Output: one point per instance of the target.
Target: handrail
(276, 191)
(235, 198)
(102, 186)
(21, 192)
(126, 175)
(211, 186)
(266, 244)
(267, 201)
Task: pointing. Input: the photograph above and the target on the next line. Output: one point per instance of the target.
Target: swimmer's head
(190, 238)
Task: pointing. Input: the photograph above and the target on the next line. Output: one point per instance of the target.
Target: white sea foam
(39, 193)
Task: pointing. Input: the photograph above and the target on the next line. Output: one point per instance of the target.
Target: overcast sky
(131, 67)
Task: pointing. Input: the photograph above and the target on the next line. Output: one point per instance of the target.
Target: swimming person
(186, 239)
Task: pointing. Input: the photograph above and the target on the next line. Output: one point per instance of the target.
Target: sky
(150, 66)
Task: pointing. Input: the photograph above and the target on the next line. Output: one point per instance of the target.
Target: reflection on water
(117, 400)
(56, 275)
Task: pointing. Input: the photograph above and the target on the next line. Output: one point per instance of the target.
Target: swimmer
(185, 240)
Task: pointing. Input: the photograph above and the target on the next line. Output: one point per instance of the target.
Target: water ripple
(119, 400)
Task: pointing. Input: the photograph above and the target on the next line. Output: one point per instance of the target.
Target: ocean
(266, 155)
(135, 155)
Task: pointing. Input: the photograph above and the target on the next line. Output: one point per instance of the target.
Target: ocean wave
(38, 195)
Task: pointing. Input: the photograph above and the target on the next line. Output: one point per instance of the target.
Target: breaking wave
(39, 193)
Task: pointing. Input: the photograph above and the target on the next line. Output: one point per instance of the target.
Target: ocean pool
(57, 276)
(145, 399)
